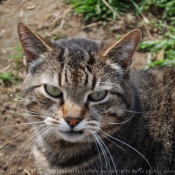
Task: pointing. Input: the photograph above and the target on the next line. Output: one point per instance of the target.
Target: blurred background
(105, 20)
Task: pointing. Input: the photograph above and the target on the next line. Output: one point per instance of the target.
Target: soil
(55, 20)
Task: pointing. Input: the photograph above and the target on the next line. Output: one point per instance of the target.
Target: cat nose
(72, 121)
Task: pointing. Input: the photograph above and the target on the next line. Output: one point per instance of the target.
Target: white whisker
(25, 110)
(113, 142)
(98, 150)
(103, 151)
(24, 114)
(34, 141)
(21, 147)
(21, 124)
(108, 152)
(128, 146)
(123, 121)
(137, 112)
(21, 136)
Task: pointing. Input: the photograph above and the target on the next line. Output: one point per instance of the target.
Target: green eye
(53, 91)
(97, 96)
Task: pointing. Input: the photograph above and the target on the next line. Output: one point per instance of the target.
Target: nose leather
(72, 121)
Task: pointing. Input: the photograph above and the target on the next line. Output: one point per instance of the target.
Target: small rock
(30, 7)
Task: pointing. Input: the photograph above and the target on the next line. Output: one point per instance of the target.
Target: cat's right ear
(33, 44)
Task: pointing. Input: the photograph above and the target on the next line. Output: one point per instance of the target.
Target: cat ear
(122, 51)
(33, 44)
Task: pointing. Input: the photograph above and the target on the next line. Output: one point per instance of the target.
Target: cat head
(78, 87)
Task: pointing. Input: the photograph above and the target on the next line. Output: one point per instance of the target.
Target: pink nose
(72, 121)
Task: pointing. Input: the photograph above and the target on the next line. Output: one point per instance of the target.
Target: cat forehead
(85, 44)
(77, 51)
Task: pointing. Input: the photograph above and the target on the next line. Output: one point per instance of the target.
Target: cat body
(91, 114)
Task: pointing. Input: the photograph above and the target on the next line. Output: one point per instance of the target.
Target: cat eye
(53, 91)
(98, 95)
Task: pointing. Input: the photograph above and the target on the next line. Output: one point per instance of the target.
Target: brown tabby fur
(137, 114)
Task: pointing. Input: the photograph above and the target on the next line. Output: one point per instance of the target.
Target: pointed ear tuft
(122, 51)
(33, 44)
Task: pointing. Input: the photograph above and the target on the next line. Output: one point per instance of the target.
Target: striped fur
(79, 67)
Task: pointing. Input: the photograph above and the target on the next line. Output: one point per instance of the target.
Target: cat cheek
(110, 122)
(51, 122)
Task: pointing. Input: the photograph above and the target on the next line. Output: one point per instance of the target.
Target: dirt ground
(52, 19)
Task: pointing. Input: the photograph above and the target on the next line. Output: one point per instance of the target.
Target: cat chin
(73, 137)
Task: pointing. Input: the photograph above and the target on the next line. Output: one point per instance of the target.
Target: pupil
(98, 94)
(54, 89)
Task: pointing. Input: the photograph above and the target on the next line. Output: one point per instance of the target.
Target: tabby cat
(91, 114)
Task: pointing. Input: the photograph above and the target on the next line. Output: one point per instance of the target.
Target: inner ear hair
(122, 51)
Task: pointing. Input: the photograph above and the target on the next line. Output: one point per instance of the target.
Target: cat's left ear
(122, 51)
(33, 44)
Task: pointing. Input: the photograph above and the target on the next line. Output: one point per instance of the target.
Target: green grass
(96, 10)
(168, 7)
(17, 55)
(9, 77)
(6, 76)
(166, 45)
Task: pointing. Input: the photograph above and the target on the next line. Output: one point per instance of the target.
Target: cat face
(78, 87)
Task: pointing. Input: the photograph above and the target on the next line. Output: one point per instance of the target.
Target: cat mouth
(72, 136)
(73, 132)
